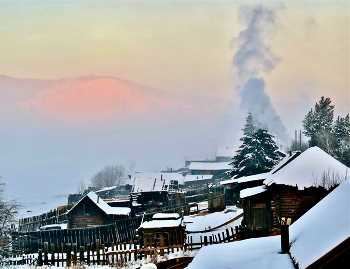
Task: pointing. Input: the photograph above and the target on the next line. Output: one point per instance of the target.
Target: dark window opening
(87, 208)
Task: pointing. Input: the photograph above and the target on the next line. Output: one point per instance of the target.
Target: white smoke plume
(253, 57)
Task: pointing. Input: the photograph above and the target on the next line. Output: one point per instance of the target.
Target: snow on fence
(229, 235)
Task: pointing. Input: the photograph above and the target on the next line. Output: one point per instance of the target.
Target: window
(87, 208)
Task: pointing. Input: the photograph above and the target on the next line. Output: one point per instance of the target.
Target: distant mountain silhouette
(88, 97)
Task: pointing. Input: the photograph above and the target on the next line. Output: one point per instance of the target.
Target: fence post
(172, 243)
(88, 249)
(125, 254)
(46, 252)
(40, 257)
(52, 250)
(161, 244)
(62, 251)
(135, 253)
(113, 249)
(117, 250)
(98, 251)
(69, 254)
(81, 254)
(103, 255)
(75, 250)
(130, 250)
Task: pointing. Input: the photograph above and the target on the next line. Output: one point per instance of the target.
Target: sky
(85, 84)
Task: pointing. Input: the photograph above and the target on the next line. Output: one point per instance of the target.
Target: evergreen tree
(318, 122)
(341, 133)
(332, 137)
(341, 128)
(257, 154)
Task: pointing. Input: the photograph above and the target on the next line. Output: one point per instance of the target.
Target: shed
(163, 229)
(93, 211)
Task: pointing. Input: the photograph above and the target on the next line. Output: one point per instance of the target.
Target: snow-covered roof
(245, 179)
(252, 191)
(322, 228)
(285, 161)
(305, 169)
(161, 223)
(225, 152)
(166, 216)
(261, 176)
(262, 253)
(104, 206)
(189, 178)
(106, 189)
(210, 166)
(146, 182)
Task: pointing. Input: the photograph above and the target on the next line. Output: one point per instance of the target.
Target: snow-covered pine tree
(341, 133)
(248, 131)
(341, 127)
(318, 122)
(257, 154)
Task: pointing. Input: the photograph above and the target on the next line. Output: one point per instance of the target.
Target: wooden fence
(230, 235)
(121, 231)
(216, 203)
(117, 254)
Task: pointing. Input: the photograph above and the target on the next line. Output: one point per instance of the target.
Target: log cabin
(290, 190)
(92, 211)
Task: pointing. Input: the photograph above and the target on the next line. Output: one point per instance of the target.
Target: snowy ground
(262, 253)
(204, 221)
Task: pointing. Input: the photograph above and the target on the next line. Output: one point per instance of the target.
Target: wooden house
(150, 190)
(233, 186)
(289, 190)
(164, 229)
(216, 169)
(92, 211)
(197, 181)
(115, 191)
